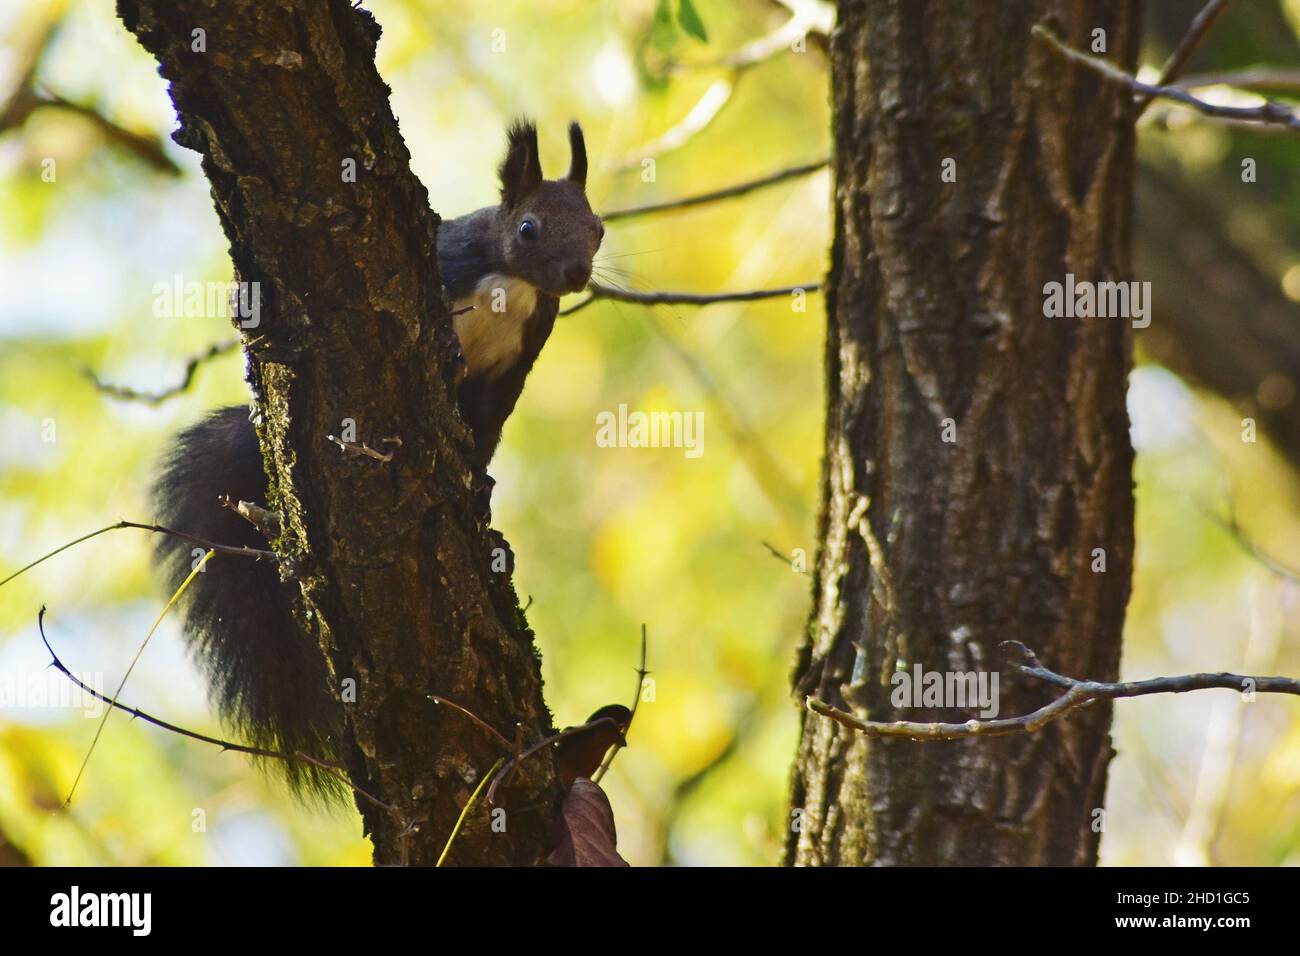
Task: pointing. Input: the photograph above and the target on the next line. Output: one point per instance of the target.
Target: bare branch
(520, 755)
(599, 291)
(239, 551)
(1077, 694)
(195, 571)
(1247, 544)
(1268, 113)
(641, 675)
(156, 398)
(464, 812)
(361, 448)
(266, 522)
(26, 99)
(788, 562)
(1278, 79)
(474, 717)
(542, 745)
(1173, 67)
(821, 23)
(728, 192)
(145, 147)
(228, 745)
(696, 120)
(807, 21)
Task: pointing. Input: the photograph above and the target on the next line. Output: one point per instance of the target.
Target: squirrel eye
(528, 229)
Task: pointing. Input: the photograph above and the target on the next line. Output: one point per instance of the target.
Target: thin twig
(266, 521)
(171, 603)
(26, 99)
(239, 551)
(1234, 531)
(230, 745)
(788, 562)
(328, 767)
(542, 745)
(474, 717)
(1078, 693)
(473, 799)
(820, 17)
(728, 192)
(806, 21)
(518, 755)
(706, 109)
(1269, 113)
(599, 291)
(156, 398)
(1173, 67)
(361, 448)
(145, 147)
(1278, 79)
(641, 674)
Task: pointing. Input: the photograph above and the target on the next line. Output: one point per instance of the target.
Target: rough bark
(395, 571)
(932, 552)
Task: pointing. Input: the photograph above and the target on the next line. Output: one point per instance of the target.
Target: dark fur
(485, 405)
(467, 250)
(269, 680)
(578, 163)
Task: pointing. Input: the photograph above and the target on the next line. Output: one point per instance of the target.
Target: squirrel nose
(576, 275)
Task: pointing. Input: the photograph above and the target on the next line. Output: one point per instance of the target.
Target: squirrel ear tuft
(578, 164)
(521, 170)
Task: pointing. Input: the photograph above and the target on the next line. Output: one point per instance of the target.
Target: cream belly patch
(492, 333)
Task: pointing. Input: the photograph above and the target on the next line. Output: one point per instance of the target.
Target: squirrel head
(547, 230)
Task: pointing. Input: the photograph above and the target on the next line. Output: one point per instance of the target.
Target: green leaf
(663, 31)
(690, 21)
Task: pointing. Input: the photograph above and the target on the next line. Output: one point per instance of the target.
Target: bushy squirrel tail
(268, 680)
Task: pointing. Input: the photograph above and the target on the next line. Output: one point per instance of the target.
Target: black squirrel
(504, 268)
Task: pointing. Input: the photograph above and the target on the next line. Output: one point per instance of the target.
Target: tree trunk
(281, 97)
(977, 452)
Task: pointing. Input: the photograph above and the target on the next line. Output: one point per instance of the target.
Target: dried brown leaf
(585, 829)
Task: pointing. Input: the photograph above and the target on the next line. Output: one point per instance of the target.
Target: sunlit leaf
(690, 21)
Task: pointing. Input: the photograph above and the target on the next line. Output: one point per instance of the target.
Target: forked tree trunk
(934, 551)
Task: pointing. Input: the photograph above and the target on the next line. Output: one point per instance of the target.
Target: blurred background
(609, 539)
